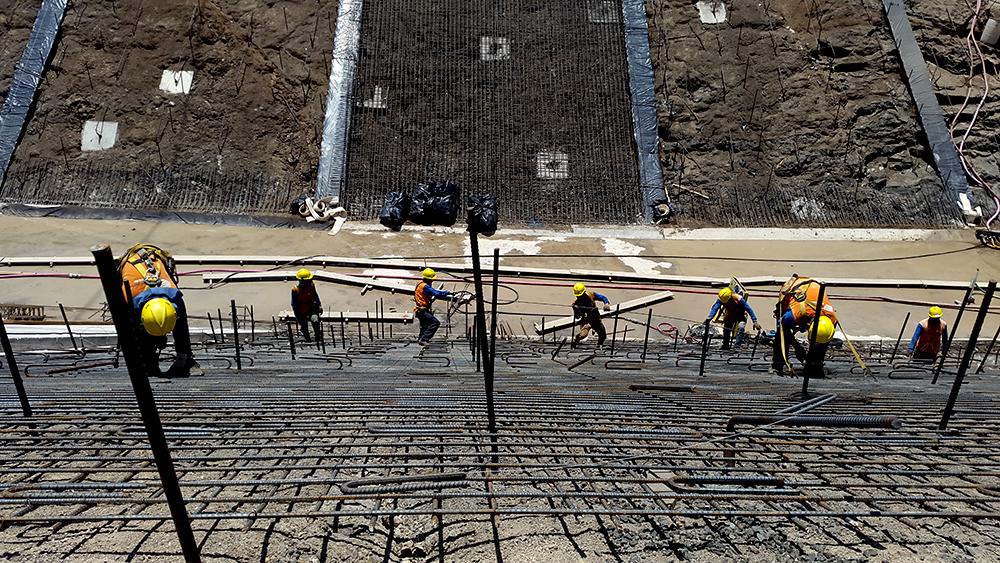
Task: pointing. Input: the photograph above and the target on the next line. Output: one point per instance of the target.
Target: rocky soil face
(789, 112)
(16, 19)
(255, 103)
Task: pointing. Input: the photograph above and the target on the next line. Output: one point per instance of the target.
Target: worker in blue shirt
(423, 297)
(735, 308)
(586, 313)
(928, 336)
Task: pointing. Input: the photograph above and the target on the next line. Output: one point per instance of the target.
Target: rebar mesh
(527, 100)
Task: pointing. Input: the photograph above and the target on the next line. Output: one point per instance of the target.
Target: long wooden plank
(516, 271)
(354, 316)
(642, 302)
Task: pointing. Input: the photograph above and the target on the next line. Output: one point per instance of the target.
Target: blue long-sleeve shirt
(431, 293)
(746, 307)
(919, 331)
(171, 294)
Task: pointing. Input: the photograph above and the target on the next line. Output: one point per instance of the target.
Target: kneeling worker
(734, 315)
(423, 297)
(585, 312)
(928, 336)
(797, 307)
(306, 305)
(150, 279)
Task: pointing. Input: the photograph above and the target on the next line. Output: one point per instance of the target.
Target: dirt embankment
(255, 103)
(791, 111)
(15, 27)
(941, 28)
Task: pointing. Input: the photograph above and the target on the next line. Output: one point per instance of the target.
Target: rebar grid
(477, 94)
(381, 434)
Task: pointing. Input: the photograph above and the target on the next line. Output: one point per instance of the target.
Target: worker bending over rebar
(149, 279)
(796, 312)
(734, 309)
(585, 313)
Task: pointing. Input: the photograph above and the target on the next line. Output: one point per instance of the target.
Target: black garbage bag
(420, 205)
(435, 203)
(298, 202)
(482, 216)
(394, 211)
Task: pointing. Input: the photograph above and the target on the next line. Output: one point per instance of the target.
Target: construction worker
(796, 312)
(306, 305)
(928, 336)
(149, 279)
(586, 313)
(734, 315)
(424, 296)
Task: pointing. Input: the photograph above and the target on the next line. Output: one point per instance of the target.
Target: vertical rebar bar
(118, 308)
(952, 332)
(69, 330)
(291, 338)
(645, 340)
(15, 373)
(493, 317)
(253, 329)
(343, 332)
(211, 325)
(222, 332)
(614, 328)
(813, 331)
(899, 338)
(236, 335)
(988, 351)
(970, 350)
(704, 348)
(483, 345)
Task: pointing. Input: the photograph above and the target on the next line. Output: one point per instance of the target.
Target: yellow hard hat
(429, 274)
(159, 316)
(579, 289)
(934, 312)
(304, 275)
(725, 294)
(825, 330)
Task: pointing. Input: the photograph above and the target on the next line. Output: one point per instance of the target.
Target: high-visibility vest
(929, 341)
(799, 295)
(734, 307)
(145, 266)
(420, 298)
(306, 298)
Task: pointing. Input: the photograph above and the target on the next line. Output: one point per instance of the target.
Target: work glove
(314, 318)
(607, 307)
(757, 327)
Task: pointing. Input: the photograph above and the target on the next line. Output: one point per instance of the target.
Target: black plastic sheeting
(643, 86)
(946, 160)
(27, 77)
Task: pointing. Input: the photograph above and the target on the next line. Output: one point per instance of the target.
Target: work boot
(184, 366)
(423, 343)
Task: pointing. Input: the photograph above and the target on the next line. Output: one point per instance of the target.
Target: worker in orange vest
(928, 336)
(149, 280)
(734, 315)
(796, 312)
(423, 297)
(306, 305)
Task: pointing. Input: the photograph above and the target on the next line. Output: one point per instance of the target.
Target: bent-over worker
(796, 312)
(424, 296)
(306, 305)
(149, 280)
(734, 315)
(929, 335)
(585, 312)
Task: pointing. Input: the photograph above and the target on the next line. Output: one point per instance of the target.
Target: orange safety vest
(142, 273)
(734, 308)
(421, 300)
(306, 298)
(799, 295)
(929, 341)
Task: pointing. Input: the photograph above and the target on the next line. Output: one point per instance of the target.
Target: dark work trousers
(428, 324)
(730, 325)
(814, 360)
(304, 326)
(924, 356)
(591, 322)
(778, 355)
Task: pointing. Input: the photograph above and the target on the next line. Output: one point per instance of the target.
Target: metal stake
(970, 350)
(236, 335)
(291, 338)
(105, 262)
(614, 328)
(15, 373)
(988, 350)
(812, 338)
(483, 345)
(899, 338)
(645, 341)
(952, 332)
(69, 330)
(704, 348)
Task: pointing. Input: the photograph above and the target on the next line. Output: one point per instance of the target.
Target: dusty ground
(260, 75)
(959, 259)
(793, 111)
